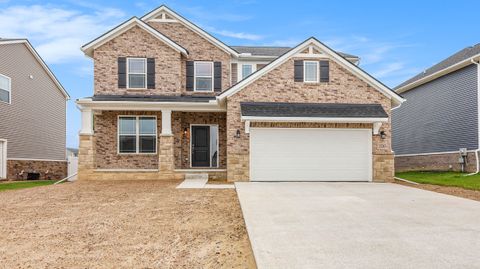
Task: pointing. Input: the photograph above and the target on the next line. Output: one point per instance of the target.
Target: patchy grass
(24, 184)
(451, 179)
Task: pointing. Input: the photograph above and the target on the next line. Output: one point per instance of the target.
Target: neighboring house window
(5, 89)
(136, 73)
(247, 69)
(311, 71)
(137, 134)
(203, 76)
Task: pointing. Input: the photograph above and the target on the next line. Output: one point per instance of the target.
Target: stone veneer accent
(278, 86)
(435, 162)
(56, 169)
(182, 121)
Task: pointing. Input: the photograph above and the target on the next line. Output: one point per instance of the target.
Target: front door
(200, 146)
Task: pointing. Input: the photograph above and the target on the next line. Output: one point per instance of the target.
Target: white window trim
(318, 72)
(128, 73)
(195, 76)
(218, 147)
(137, 135)
(254, 68)
(9, 90)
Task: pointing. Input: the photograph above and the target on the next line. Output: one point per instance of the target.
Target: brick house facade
(206, 131)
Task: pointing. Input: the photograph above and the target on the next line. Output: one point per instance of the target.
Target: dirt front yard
(122, 225)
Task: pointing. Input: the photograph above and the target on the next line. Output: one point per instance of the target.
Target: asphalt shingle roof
(272, 51)
(261, 109)
(152, 98)
(454, 59)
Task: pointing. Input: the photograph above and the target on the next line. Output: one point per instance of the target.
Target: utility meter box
(461, 160)
(463, 152)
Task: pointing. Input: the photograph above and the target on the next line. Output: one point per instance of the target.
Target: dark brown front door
(200, 146)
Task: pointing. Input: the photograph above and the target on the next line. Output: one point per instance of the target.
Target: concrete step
(203, 176)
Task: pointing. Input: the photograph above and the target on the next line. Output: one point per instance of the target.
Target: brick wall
(137, 43)
(198, 49)
(278, 86)
(182, 121)
(106, 156)
(56, 169)
(435, 162)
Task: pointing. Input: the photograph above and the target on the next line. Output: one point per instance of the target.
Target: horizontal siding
(439, 116)
(34, 123)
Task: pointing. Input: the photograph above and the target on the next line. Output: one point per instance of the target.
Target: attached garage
(311, 154)
(278, 154)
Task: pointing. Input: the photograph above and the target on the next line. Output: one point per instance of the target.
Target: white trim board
(134, 21)
(152, 14)
(437, 74)
(40, 60)
(396, 99)
(431, 153)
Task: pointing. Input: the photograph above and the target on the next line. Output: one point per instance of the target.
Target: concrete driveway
(359, 225)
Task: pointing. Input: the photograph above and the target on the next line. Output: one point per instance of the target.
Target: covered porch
(152, 137)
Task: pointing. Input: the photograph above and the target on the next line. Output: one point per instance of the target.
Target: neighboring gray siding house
(32, 114)
(440, 117)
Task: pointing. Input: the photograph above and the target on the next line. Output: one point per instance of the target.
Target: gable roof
(6, 41)
(125, 26)
(163, 8)
(396, 99)
(458, 60)
(275, 51)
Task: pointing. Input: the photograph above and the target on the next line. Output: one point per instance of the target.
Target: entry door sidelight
(200, 146)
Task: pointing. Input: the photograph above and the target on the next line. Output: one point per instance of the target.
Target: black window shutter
(298, 70)
(150, 73)
(122, 72)
(324, 71)
(190, 72)
(217, 76)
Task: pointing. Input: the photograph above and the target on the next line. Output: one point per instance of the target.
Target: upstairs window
(203, 76)
(137, 73)
(137, 134)
(5, 89)
(247, 69)
(311, 71)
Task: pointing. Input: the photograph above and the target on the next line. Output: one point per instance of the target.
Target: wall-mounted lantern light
(237, 135)
(383, 135)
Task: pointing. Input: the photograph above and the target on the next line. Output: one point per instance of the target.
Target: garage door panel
(310, 154)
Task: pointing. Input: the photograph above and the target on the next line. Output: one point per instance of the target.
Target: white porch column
(166, 122)
(87, 121)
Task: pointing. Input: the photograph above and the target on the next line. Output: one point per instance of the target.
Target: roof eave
(437, 74)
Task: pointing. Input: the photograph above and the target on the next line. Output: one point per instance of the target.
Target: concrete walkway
(359, 225)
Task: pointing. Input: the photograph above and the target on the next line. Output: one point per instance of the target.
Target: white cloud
(57, 33)
(237, 35)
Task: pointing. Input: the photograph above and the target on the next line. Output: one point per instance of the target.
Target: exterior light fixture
(383, 135)
(237, 135)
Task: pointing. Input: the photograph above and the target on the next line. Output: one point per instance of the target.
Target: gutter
(478, 112)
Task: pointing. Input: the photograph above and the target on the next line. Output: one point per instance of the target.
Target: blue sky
(394, 40)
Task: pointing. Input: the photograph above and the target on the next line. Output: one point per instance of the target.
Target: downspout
(478, 112)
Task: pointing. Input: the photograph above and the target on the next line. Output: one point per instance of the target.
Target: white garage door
(310, 154)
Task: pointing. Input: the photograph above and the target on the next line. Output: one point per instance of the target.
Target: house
(438, 128)
(32, 115)
(170, 99)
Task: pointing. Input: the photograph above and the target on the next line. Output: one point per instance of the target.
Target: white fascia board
(150, 106)
(152, 14)
(396, 99)
(313, 119)
(42, 63)
(437, 74)
(88, 48)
